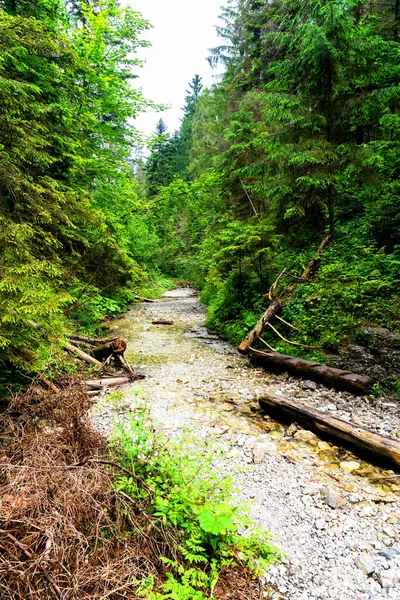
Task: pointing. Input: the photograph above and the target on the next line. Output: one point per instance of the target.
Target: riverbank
(338, 527)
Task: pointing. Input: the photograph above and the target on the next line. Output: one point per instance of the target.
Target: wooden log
(115, 349)
(92, 341)
(100, 384)
(49, 384)
(83, 355)
(342, 380)
(360, 439)
(277, 305)
(257, 330)
(162, 322)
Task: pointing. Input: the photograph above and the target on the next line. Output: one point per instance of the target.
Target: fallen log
(83, 355)
(308, 369)
(92, 341)
(100, 384)
(256, 332)
(360, 439)
(116, 348)
(144, 299)
(162, 322)
(276, 305)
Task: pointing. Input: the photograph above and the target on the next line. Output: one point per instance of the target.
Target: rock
(292, 429)
(365, 563)
(324, 446)
(367, 511)
(261, 449)
(309, 385)
(320, 524)
(355, 498)
(306, 436)
(331, 407)
(389, 578)
(332, 498)
(389, 553)
(349, 465)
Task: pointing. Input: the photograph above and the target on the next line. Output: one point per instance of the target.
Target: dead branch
(30, 556)
(288, 341)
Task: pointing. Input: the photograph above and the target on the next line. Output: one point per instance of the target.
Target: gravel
(339, 529)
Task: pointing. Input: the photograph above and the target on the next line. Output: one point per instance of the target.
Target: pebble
(324, 517)
(349, 466)
(365, 563)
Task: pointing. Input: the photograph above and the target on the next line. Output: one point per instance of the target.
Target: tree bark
(115, 348)
(277, 305)
(92, 341)
(360, 439)
(341, 380)
(83, 355)
(100, 384)
(256, 332)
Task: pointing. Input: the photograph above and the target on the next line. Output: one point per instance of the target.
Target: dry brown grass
(64, 527)
(65, 531)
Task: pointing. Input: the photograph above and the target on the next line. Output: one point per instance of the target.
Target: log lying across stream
(360, 439)
(342, 380)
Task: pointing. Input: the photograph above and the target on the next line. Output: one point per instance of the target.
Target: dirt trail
(340, 531)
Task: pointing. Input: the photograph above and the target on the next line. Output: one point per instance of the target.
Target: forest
(282, 184)
(299, 138)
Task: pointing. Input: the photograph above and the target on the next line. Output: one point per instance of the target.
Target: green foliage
(69, 216)
(192, 501)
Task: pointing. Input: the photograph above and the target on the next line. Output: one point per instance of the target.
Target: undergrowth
(190, 501)
(144, 518)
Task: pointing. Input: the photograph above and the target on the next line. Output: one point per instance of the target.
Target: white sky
(183, 30)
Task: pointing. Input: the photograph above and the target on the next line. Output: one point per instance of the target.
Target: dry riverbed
(338, 526)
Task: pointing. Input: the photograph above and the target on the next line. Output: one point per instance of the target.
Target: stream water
(331, 511)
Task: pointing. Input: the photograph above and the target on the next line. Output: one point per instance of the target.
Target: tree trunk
(360, 439)
(341, 380)
(277, 305)
(256, 332)
(115, 348)
(86, 357)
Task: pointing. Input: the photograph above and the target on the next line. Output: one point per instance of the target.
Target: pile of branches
(65, 531)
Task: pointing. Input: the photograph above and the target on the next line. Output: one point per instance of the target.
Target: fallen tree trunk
(83, 355)
(100, 384)
(308, 369)
(162, 322)
(256, 332)
(277, 305)
(92, 341)
(116, 348)
(360, 439)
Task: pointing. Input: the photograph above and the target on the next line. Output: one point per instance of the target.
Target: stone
(355, 498)
(331, 498)
(306, 436)
(309, 385)
(367, 511)
(389, 553)
(324, 446)
(365, 563)
(292, 429)
(389, 578)
(320, 524)
(349, 465)
(261, 449)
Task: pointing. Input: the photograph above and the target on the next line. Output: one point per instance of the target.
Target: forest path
(339, 529)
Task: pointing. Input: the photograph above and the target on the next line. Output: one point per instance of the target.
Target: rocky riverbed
(335, 516)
